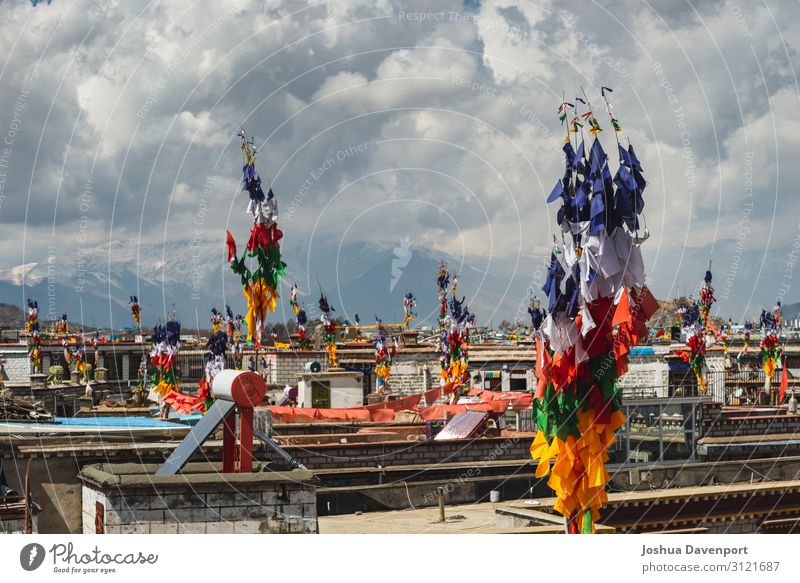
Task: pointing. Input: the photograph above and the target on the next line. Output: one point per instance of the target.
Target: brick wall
(742, 421)
(409, 378)
(653, 375)
(16, 363)
(397, 453)
(285, 366)
(199, 503)
(114, 357)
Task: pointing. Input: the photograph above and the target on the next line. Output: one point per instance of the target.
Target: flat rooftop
(482, 518)
(460, 519)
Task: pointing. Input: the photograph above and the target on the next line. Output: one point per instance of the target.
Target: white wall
(347, 389)
(347, 392)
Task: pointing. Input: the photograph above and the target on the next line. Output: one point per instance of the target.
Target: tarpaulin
(184, 403)
(342, 414)
(412, 401)
(496, 402)
(442, 411)
(432, 396)
(289, 414)
(517, 401)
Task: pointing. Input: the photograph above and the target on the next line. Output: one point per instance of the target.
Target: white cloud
(457, 114)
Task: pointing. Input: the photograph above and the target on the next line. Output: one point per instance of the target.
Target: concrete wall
(122, 360)
(17, 526)
(198, 503)
(54, 487)
(679, 475)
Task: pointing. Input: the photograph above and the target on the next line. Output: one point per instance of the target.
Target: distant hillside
(791, 311)
(11, 316)
(665, 316)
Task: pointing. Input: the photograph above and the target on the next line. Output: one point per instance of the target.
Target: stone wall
(130, 498)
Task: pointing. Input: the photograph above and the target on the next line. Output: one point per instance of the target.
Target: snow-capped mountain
(368, 278)
(93, 286)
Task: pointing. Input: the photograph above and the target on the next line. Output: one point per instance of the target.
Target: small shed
(332, 389)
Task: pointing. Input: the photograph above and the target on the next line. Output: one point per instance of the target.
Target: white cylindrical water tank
(245, 388)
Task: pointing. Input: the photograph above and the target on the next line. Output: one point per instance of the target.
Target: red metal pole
(229, 443)
(27, 500)
(245, 439)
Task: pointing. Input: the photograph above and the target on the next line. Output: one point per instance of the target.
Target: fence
(730, 387)
(658, 430)
(745, 387)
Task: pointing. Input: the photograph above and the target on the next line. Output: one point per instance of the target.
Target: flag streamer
(136, 311)
(329, 326)
(598, 306)
(697, 324)
(454, 330)
(303, 343)
(166, 343)
(259, 286)
(385, 351)
(409, 305)
(34, 337)
(771, 350)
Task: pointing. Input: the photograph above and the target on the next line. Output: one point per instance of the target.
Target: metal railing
(658, 430)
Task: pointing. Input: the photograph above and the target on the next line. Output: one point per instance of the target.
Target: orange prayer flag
(623, 312)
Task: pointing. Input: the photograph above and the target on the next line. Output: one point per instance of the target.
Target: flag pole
(610, 111)
(591, 110)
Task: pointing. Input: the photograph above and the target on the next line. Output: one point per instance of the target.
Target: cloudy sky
(380, 120)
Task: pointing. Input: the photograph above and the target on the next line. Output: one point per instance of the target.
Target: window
(321, 394)
(99, 518)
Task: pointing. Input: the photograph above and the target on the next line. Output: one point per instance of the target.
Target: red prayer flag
(231, 245)
(784, 382)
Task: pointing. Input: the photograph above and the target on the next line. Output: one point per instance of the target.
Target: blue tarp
(642, 350)
(678, 365)
(114, 422)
